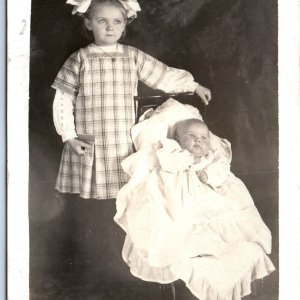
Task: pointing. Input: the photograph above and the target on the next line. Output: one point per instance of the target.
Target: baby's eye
(204, 138)
(190, 136)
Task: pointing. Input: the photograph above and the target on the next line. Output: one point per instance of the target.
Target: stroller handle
(143, 103)
(163, 96)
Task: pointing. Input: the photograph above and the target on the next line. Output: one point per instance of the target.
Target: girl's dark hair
(87, 33)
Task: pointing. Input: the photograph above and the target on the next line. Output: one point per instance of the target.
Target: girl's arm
(66, 85)
(157, 75)
(181, 81)
(63, 117)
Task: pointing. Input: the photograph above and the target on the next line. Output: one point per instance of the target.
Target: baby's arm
(217, 171)
(63, 117)
(200, 162)
(170, 80)
(202, 176)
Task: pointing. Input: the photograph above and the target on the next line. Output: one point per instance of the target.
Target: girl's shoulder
(82, 53)
(131, 49)
(91, 50)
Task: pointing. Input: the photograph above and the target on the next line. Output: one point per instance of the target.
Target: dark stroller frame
(142, 104)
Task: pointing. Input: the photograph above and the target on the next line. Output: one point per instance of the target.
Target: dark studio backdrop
(229, 46)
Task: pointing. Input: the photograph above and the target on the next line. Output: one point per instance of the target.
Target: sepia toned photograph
(153, 150)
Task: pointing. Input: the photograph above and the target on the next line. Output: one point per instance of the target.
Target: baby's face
(195, 138)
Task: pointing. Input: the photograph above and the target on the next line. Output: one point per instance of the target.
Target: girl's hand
(78, 146)
(204, 93)
(203, 176)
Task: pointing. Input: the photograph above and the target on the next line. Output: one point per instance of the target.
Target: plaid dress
(103, 87)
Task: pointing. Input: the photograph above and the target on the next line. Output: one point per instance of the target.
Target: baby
(193, 135)
(169, 215)
(195, 148)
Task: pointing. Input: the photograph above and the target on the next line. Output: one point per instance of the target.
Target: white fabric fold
(177, 226)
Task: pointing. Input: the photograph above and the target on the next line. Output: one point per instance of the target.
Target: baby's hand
(204, 93)
(202, 176)
(78, 146)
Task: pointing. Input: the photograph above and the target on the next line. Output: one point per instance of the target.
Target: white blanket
(169, 215)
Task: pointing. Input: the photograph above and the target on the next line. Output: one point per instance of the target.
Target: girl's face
(107, 23)
(194, 138)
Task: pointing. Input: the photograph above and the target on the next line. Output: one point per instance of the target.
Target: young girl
(94, 106)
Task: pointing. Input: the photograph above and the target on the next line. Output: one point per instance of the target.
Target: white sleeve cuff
(194, 85)
(177, 81)
(68, 135)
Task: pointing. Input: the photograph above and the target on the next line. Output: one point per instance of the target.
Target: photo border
(18, 38)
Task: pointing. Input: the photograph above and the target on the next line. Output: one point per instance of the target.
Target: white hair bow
(81, 6)
(131, 7)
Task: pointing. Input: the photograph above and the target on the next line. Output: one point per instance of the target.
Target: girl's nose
(109, 26)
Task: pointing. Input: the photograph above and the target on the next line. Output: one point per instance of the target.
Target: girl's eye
(100, 21)
(118, 22)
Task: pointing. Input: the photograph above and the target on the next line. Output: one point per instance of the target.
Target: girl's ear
(87, 24)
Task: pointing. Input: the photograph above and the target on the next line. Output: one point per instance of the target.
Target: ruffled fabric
(139, 267)
(228, 277)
